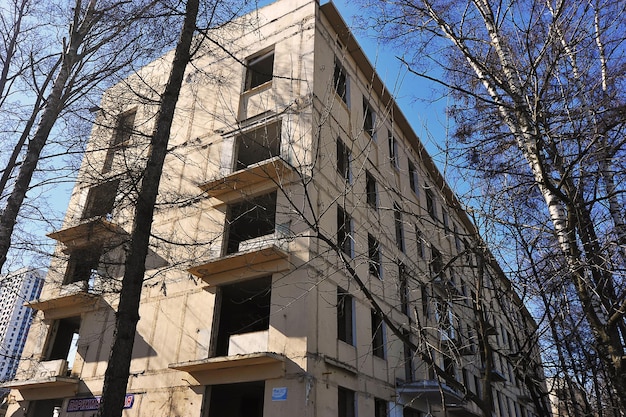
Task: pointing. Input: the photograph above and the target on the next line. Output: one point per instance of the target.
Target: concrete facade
(288, 177)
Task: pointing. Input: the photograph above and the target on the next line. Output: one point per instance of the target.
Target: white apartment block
(294, 199)
(16, 289)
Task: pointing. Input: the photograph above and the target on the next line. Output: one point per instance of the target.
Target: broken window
(244, 317)
(436, 264)
(101, 200)
(45, 408)
(345, 316)
(250, 219)
(380, 408)
(257, 145)
(260, 70)
(121, 138)
(63, 341)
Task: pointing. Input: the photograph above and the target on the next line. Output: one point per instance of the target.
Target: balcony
(47, 375)
(428, 390)
(270, 171)
(92, 231)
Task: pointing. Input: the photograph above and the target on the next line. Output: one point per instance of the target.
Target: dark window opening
(345, 312)
(340, 80)
(397, 216)
(101, 200)
(250, 219)
(373, 248)
(260, 70)
(403, 277)
(431, 208)
(257, 145)
(368, 118)
(83, 266)
(45, 408)
(237, 400)
(346, 402)
(245, 308)
(370, 190)
(63, 340)
(449, 366)
(408, 353)
(378, 336)
(344, 231)
(419, 242)
(436, 264)
(446, 221)
(410, 412)
(413, 178)
(380, 408)
(393, 150)
(121, 138)
(343, 160)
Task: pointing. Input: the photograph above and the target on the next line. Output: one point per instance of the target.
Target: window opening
(373, 248)
(260, 70)
(413, 178)
(101, 200)
(408, 352)
(369, 118)
(244, 309)
(250, 219)
(257, 145)
(403, 277)
(83, 266)
(431, 208)
(378, 336)
(380, 408)
(346, 404)
(340, 80)
(393, 150)
(370, 190)
(63, 341)
(343, 160)
(419, 240)
(344, 231)
(121, 138)
(237, 400)
(345, 316)
(397, 215)
(436, 264)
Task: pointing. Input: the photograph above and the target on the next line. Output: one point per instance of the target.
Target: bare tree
(539, 115)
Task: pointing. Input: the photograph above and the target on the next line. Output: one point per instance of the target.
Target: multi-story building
(307, 256)
(16, 289)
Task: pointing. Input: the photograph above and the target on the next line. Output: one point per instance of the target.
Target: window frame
(398, 226)
(374, 257)
(378, 335)
(431, 203)
(369, 119)
(346, 402)
(393, 146)
(371, 190)
(345, 232)
(344, 156)
(249, 82)
(345, 317)
(341, 82)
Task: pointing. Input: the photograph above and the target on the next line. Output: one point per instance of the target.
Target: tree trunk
(116, 375)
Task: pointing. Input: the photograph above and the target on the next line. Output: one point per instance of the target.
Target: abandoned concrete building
(307, 258)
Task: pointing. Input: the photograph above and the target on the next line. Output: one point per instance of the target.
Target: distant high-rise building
(15, 289)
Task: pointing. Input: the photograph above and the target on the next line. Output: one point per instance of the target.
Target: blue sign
(92, 403)
(279, 394)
